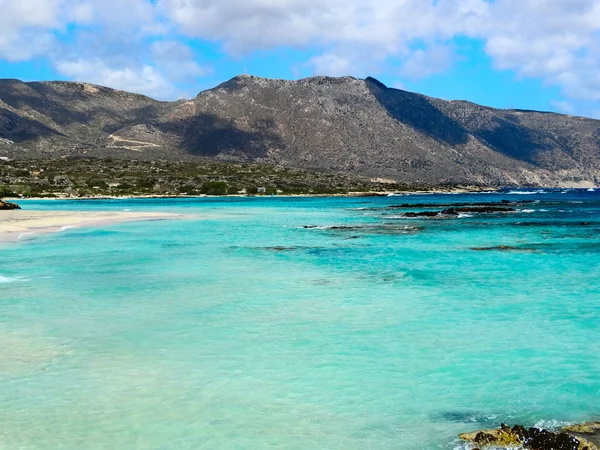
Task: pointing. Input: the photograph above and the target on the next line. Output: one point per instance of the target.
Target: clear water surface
(240, 329)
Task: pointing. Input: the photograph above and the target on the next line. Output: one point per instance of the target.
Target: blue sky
(528, 54)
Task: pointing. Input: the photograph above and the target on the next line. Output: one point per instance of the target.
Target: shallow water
(245, 330)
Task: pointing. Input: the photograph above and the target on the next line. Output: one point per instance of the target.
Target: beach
(19, 223)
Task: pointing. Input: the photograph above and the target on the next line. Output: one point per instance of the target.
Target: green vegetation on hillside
(81, 177)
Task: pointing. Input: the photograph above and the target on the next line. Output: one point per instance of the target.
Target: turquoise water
(240, 329)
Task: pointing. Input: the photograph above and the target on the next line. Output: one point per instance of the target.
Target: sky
(527, 54)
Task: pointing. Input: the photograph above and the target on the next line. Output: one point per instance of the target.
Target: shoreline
(347, 194)
(18, 224)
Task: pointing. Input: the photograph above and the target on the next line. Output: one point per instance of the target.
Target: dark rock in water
(8, 205)
(460, 210)
(333, 227)
(460, 204)
(527, 439)
(504, 248)
(477, 209)
(422, 214)
(464, 417)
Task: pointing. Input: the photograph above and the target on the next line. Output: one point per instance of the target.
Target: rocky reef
(8, 205)
(568, 438)
(456, 211)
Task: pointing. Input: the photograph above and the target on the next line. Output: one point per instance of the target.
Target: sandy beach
(18, 223)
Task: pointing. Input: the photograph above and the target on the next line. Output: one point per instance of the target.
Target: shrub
(5, 191)
(214, 188)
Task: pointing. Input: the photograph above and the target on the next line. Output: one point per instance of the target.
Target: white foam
(463, 216)
(551, 424)
(526, 192)
(591, 190)
(66, 227)
(11, 280)
(528, 210)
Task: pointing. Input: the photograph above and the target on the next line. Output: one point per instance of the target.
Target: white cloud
(563, 106)
(425, 62)
(26, 28)
(379, 25)
(331, 64)
(177, 61)
(146, 79)
(553, 40)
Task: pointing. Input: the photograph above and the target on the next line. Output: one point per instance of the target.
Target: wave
(551, 425)
(11, 280)
(67, 227)
(528, 210)
(526, 192)
(591, 190)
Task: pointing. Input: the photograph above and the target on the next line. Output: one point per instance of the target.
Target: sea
(301, 323)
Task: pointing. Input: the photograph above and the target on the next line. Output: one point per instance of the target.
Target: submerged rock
(423, 214)
(503, 248)
(8, 205)
(460, 205)
(461, 210)
(526, 438)
(477, 209)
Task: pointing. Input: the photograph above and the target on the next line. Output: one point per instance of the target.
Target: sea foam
(9, 279)
(526, 192)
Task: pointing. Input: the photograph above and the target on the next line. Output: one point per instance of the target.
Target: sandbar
(15, 224)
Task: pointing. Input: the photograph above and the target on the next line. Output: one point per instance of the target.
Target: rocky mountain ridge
(344, 125)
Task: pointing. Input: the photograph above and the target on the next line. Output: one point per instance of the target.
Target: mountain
(320, 123)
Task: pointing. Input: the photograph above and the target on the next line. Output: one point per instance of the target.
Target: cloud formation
(136, 43)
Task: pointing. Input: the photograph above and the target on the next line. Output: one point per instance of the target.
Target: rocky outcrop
(344, 125)
(8, 205)
(583, 428)
(456, 211)
(589, 431)
(526, 438)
